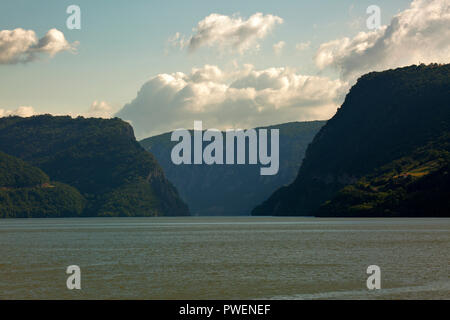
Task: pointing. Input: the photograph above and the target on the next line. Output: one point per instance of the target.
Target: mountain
(99, 157)
(385, 120)
(26, 191)
(410, 186)
(233, 189)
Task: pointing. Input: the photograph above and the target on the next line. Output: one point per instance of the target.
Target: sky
(163, 64)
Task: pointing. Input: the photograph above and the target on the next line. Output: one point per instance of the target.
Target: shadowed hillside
(99, 157)
(233, 189)
(385, 117)
(27, 192)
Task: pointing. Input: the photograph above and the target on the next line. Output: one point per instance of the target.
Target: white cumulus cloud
(244, 97)
(228, 32)
(419, 34)
(22, 111)
(100, 109)
(21, 45)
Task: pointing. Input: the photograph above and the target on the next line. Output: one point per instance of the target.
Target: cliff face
(100, 158)
(233, 189)
(385, 116)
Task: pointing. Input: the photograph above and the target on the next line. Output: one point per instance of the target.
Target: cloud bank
(240, 98)
(99, 109)
(228, 32)
(420, 34)
(22, 111)
(247, 97)
(21, 46)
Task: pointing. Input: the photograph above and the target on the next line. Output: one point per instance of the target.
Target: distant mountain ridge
(385, 117)
(233, 189)
(100, 158)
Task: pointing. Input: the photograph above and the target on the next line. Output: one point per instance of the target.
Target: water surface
(224, 258)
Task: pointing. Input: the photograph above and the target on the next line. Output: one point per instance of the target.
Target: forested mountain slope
(386, 116)
(99, 157)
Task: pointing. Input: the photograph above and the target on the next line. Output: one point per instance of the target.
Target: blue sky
(123, 45)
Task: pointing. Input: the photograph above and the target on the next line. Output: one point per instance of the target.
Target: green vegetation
(232, 189)
(408, 186)
(98, 157)
(26, 192)
(385, 152)
(15, 173)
